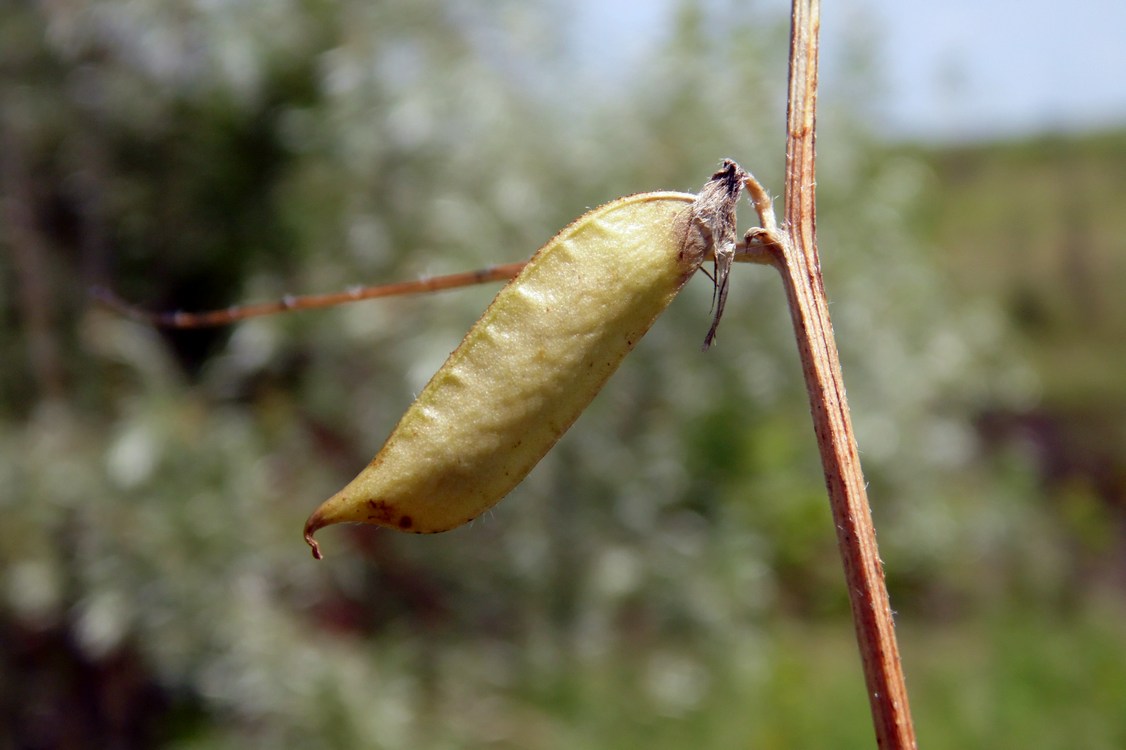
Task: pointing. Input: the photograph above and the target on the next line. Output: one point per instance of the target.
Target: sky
(953, 71)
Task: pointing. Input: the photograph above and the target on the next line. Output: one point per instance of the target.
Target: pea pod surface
(527, 369)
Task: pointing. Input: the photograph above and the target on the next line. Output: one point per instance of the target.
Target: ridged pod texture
(527, 369)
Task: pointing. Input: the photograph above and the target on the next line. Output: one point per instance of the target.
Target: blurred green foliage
(667, 577)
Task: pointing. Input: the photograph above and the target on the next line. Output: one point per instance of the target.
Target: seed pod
(536, 358)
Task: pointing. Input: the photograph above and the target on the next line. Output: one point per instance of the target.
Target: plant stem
(801, 274)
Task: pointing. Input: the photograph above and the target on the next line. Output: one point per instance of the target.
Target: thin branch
(744, 253)
(210, 318)
(801, 273)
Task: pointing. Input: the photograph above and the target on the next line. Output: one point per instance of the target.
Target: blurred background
(668, 577)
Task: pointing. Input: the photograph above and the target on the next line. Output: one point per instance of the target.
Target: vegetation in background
(1038, 226)
(668, 576)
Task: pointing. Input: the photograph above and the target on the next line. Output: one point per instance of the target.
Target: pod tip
(311, 527)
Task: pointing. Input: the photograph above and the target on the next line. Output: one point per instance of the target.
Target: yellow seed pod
(535, 360)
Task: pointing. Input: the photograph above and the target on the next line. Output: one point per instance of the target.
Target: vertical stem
(801, 273)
